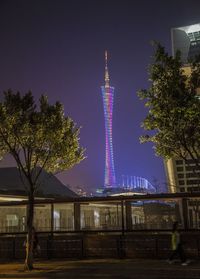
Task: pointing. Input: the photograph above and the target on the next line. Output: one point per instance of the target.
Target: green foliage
(174, 107)
(37, 137)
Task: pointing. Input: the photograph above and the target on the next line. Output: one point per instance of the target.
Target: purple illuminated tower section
(108, 95)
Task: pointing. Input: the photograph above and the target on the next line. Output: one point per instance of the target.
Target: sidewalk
(102, 269)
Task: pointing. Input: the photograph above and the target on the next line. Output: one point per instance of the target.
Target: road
(102, 269)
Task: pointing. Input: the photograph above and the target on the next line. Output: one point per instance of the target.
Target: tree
(38, 138)
(174, 107)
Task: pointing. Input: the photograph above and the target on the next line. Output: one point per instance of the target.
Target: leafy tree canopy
(37, 136)
(173, 119)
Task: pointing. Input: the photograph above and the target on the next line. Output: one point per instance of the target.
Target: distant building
(187, 40)
(80, 191)
(131, 185)
(136, 184)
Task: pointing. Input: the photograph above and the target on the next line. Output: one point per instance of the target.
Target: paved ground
(102, 269)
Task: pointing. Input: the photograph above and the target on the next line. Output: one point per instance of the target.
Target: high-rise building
(187, 40)
(183, 175)
(108, 96)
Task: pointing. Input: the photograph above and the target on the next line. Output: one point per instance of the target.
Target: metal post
(185, 213)
(52, 219)
(50, 236)
(122, 210)
(77, 217)
(128, 215)
(13, 248)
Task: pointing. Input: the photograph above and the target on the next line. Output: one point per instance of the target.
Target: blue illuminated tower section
(108, 95)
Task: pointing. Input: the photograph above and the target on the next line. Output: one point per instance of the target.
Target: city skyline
(57, 49)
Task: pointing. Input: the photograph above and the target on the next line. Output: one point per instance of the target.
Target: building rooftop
(49, 185)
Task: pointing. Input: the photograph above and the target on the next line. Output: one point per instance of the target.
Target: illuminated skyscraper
(108, 95)
(187, 40)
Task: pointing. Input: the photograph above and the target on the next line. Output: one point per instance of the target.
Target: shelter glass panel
(193, 209)
(42, 217)
(12, 219)
(155, 214)
(63, 217)
(101, 216)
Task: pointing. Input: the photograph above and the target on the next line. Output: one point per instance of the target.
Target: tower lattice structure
(108, 96)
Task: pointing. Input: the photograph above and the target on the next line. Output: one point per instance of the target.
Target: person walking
(177, 246)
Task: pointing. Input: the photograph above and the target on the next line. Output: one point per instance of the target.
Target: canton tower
(108, 95)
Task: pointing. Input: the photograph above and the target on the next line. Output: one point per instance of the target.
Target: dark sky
(57, 48)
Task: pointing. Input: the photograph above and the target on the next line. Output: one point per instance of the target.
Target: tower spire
(106, 70)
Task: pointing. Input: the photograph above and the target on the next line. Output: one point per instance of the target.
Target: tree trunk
(29, 240)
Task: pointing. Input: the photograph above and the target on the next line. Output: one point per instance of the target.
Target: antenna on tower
(106, 70)
(106, 57)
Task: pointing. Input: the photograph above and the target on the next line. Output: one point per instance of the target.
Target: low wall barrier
(100, 245)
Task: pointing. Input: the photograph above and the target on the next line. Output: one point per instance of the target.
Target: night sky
(57, 48)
